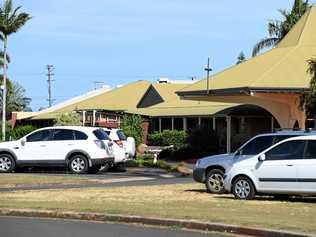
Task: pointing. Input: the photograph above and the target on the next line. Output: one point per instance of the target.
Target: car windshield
(101, 134)
(121, 135)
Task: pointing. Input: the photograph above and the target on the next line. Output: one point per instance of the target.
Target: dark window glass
(39, 136)
(311, 150)
(80, 135)
(290, 150)
(108, 133)
(257, 145)
(121, 135)
(282, 137)
(63, 135)
(101, 134)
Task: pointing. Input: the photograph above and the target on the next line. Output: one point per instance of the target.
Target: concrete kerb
(187, 224)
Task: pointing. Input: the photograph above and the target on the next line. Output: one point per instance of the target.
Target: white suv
(287, 168)
(124, 149)
(81, 149)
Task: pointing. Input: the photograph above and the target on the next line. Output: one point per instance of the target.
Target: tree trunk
(4, 89)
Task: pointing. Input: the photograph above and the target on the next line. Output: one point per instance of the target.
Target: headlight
(197, 163)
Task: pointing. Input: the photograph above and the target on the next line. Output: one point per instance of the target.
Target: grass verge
(185, 201)
(18, 180)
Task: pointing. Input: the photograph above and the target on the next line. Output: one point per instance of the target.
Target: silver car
(210, 170)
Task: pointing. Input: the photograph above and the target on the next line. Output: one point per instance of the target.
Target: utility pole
(208, 70)
(50, 74)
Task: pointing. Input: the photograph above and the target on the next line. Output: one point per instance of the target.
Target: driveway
(17, 226)
(132, 177)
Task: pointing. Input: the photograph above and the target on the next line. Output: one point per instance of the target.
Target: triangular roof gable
(150, 98)
(283, 67)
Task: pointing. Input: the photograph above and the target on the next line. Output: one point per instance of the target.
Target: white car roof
(80, 128)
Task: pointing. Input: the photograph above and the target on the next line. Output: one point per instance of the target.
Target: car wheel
(243, 188)
(78, 164)
(7, 163)
(215, 181)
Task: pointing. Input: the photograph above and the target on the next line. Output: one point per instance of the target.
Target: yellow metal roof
(282, 67)
(126, 98)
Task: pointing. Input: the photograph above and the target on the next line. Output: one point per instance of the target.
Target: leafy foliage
(308, 100)
(21, 131)
(16, 99)
(241, 58)
(132, 126)
(10, 19)
(68, 119)
(167, 138)
(279, 29)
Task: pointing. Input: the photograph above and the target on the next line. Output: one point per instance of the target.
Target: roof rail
(287, 129)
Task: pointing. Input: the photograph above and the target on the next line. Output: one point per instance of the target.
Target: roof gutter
(242, 91)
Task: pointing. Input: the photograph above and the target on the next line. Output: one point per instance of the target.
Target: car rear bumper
(199, 175)
(102, 161)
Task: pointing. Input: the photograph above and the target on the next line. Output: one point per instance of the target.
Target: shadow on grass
(277, 198)
(196, 191)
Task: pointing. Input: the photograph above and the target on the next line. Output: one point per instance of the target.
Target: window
(282, 137)
(311, 150)
(39, 136)
(290, 150)
(101, 135)
(257, 145)
(121, 135)
(63, 135)
(80, 135)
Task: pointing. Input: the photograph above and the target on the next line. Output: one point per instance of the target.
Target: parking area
(38, 180)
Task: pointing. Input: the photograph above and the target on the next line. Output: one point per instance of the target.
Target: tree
(16, 98)
(68, 119)
(132, 126)
(241, 58)
(11, 21)
(279, 29)
(308, 100)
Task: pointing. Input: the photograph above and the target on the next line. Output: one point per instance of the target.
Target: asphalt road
(30, 227)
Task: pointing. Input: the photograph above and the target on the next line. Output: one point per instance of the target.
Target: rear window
(121, 135)
(101, 134)
(80, 135)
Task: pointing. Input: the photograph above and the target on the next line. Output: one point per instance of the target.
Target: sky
(121, 41)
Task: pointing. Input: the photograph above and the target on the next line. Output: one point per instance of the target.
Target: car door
(306, 169)
(278, 172)
(63, 141)
(36, 146)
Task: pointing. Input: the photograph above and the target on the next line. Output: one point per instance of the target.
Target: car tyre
(78, 164)
(215, 181)
(7, 163)
(243, 188)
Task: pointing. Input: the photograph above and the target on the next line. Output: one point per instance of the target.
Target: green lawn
(187, 201)
(16, 180)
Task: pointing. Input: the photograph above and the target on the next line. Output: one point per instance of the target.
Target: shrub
(132, 126)
(8, 132)
(21, 131)
(167, 138)
(68, 119)
(203, 142)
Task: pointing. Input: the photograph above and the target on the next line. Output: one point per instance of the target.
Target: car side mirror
(23, 141)
(262, 157)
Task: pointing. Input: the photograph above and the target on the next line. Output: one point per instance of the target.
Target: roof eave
(243, 91)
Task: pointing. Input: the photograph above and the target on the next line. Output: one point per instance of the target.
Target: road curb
(188, 224)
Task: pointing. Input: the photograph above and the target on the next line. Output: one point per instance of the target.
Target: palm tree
(308, 100)
(279, 29)
(10, 22)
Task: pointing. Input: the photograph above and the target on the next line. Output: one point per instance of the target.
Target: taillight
(119, 143)
(100, 144)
